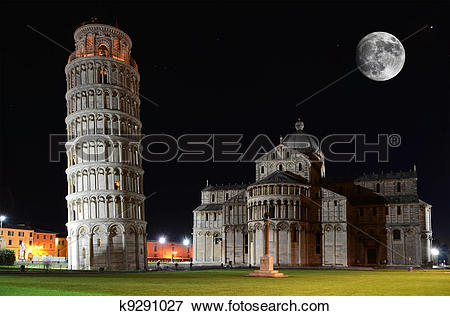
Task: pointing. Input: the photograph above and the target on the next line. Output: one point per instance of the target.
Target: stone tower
(106, 219)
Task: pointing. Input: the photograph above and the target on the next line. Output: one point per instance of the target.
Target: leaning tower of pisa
(106, 223)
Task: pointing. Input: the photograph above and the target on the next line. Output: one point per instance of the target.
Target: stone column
(299, 247)
(124, 249)
(69, 252)
(289, 246)
(108, 251)
(91, 252)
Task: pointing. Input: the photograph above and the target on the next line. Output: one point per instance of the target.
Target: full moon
(380, 56)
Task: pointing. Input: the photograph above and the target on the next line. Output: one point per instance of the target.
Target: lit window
(116, 185)
(99, 242)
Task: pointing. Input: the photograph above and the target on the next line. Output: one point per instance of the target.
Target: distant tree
(7, 257)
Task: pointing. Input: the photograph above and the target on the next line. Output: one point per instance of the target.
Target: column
(69, 252)
(108, 252)
(124, 249)
(289, 246)
(194, 244)
(91, 253)
(299, 247)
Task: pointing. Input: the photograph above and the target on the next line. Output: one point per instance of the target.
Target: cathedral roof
(209, 207)
(238, 198)
(388, 176)
(282, 177)
(235, 186)
(301, 141)
(380, 199)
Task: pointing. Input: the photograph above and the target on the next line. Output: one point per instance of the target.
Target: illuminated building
(105, 202)
(38, 242)
(168, 251)
(371, 220)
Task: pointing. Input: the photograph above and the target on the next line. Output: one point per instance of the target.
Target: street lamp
(435, 254)
(2, 218)
(186, 242)
(162, 240)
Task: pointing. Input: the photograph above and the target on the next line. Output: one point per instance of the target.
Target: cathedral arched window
(280, 167)
(299, 166)
(396, 234)
(103, 50)
(262, 169)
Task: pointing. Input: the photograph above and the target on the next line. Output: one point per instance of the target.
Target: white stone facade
(106, 218)
(366, 221)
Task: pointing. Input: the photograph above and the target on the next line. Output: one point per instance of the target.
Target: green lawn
(230, 282)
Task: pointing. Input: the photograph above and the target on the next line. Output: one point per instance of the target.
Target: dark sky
(224, 68)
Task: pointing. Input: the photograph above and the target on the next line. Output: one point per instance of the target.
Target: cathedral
(371, 220)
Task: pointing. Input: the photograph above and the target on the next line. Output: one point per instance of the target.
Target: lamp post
(2, 218)
(435, 254)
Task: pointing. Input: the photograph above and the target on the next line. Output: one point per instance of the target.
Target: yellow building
(38, 242)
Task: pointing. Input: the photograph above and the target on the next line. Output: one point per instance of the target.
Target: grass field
(230, 282)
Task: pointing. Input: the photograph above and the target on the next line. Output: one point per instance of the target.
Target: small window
(51, 237)
(37, 236)
(226, 196)
(20, 242)
(116, 185)
(396, 234)
(399, 187)
(215, 216)
(262, 169)
(300, 166)
(155, 249)
(206, 216)
(378, 188)
(10, 242)
(44, 236)
(399, 210)
(273, 155)
(31, 234)
(387, 210)
(318, 242)
(102, 50)
(99, 242)
(29, 242)
(374, 211)
(287, 154)
(335, 202)
(280, 167)
(213, 198)
(361, 211)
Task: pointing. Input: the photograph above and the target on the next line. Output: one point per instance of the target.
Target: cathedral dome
(301, 141)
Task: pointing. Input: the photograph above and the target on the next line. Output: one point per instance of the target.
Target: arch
(396, 234)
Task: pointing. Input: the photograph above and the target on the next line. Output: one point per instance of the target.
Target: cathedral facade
(372, 220)
(105, 202)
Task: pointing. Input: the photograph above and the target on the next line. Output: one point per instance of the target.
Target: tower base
(266, 269)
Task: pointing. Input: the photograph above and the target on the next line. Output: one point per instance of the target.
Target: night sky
(227, 68)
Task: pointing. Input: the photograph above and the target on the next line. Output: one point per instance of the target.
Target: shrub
(7, 257)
